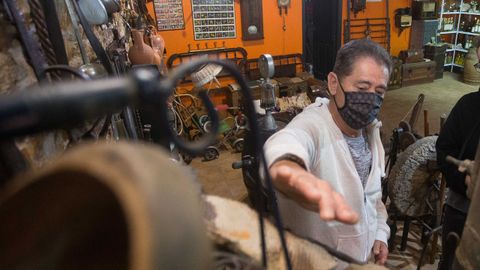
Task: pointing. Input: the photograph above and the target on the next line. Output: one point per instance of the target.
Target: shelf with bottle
(468, 33)
(448, 59)
(469, 25)
(459, 59)
(460, 23)
(451, 13)
(466, 42)
(468, 6)
(448, 25)
(453, 64)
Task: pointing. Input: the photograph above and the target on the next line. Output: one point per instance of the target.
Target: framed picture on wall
(169, 14)
(213, 19)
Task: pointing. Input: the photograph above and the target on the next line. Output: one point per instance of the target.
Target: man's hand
(310, 192)
(380, 251)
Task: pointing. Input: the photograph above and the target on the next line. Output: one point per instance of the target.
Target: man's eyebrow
(363, 81)
(382, 86)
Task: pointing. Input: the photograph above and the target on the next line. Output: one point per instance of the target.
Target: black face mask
(360, 108)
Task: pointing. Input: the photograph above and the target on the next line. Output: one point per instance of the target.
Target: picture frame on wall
(213, 19)
(169, 15)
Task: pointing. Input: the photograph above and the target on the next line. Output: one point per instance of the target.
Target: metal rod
(76, 30)
(370, 24)
(368, 19)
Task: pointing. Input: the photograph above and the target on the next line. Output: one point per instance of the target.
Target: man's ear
(332, 83)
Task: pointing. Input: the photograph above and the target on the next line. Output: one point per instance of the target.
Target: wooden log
(104, 206)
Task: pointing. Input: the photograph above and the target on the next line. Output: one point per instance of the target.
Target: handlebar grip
(62, 105)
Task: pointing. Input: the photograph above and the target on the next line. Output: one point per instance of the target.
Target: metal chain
(38, 18)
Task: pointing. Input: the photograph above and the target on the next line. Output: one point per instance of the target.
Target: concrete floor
(218, 177)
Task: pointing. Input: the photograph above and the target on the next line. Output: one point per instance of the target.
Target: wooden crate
(416, 73)
(437, 54)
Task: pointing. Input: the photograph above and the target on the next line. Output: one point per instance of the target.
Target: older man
(329, 159)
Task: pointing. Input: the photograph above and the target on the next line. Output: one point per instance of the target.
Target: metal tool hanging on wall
(283, 4)
(358, 5)
(377, 29)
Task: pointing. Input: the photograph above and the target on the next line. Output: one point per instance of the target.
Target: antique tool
(94, 42)
(267, 100)
(414, 189)
(411, 185)
(118, 53)
(34, 53)
(283, 4)
(65, 104)
(409, 135)
(368, 23)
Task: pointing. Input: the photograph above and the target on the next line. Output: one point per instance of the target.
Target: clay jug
(470, 74)
(140, 53)
(158, 44)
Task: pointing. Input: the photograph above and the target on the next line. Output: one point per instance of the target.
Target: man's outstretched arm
(311, 192)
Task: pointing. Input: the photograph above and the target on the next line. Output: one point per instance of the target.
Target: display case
(459, 24)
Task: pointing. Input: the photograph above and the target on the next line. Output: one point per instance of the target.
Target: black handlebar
(65, 105)
(62, 105)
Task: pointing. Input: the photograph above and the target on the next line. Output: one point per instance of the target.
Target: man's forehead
(368, 70)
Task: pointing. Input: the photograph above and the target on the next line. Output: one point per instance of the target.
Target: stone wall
(16, 74)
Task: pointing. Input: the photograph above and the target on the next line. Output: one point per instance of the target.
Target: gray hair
(350, 52)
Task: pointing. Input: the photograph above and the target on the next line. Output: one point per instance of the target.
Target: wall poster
(213, 19)
(169, 14)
